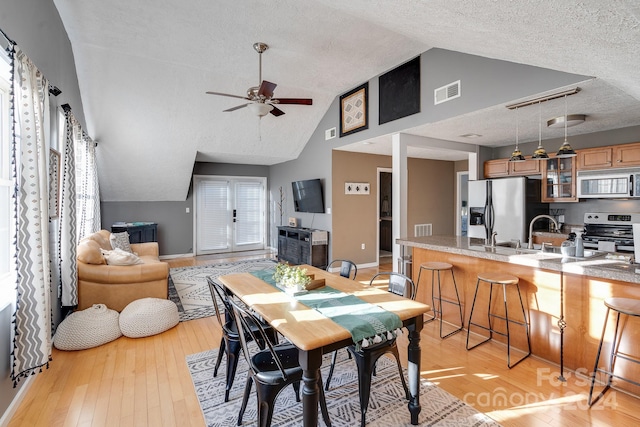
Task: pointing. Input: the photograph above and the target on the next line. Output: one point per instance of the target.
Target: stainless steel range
(610, 227)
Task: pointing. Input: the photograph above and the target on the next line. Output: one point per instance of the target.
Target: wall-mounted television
(307, 196)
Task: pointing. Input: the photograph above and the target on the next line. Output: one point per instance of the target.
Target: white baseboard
(15, 403)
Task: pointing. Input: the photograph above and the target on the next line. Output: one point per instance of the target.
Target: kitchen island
(586, 282)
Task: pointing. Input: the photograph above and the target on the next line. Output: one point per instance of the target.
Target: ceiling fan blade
(226, 94)
(235, 108)
(266, 89)
(276, 111)
(298, 101)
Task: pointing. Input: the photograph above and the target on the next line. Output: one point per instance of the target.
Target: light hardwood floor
(145, 381)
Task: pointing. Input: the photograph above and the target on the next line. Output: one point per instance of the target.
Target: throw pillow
(120, 257)
(120, 241)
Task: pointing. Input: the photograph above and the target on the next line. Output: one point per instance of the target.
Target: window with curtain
(7, 221)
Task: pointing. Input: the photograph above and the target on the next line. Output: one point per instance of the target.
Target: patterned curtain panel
(87, 191)
(32, 319)
(67, 237)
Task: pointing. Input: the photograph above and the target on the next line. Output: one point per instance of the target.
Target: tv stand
(303, 246)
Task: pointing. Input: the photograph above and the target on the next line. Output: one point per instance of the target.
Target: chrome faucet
(533, 221)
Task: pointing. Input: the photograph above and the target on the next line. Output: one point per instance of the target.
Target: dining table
(315, 334)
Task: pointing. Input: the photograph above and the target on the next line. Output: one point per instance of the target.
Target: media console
(303, 246)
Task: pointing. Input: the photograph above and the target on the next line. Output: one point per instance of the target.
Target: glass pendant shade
(517, 156)
(565, 149)
(540, 153)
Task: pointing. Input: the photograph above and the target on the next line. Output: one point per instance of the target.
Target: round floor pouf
(87, 328)
(148, 316)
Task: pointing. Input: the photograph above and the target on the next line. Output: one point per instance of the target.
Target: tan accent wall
(431, 196)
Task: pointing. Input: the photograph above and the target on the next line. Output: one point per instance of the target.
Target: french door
(230, 214)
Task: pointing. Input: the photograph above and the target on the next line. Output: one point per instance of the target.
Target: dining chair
(230, 341)
(346, 267)
(366, 358)
(272, 369)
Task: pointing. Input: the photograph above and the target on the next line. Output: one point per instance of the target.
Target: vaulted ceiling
(144, 67)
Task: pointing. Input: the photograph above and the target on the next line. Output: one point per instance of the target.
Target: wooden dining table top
(305, 327)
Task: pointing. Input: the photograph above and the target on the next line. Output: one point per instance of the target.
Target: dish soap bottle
(579, 245)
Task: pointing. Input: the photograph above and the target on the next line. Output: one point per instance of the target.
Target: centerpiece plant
(291, 276)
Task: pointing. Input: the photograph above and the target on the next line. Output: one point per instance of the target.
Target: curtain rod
(11, 42)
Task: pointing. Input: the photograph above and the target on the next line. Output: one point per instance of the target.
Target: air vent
(420, 230)
(446, 93)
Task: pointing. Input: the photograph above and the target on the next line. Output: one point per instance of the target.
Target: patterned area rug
(387, 407)
(188, 286)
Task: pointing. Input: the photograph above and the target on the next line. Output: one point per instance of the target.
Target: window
(7, 222)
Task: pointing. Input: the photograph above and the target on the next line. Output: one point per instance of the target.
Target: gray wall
(37, 29)
(175, 225)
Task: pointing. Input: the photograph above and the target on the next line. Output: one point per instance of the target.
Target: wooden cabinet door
(496, 168)
(528, 167)
(559, 180)
(626, 155)
(595, 158)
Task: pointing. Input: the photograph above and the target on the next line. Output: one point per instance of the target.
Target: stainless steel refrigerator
(506, 206)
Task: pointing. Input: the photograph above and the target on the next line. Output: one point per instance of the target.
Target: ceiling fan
(261, 97)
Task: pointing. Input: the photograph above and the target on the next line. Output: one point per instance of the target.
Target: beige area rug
(188, 286)
(387, 407)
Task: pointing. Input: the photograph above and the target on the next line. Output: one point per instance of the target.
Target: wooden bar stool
(437, 309)
(630, 307)
(504, 280)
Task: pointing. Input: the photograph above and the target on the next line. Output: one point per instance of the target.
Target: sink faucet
(493, 239)
(533, 221)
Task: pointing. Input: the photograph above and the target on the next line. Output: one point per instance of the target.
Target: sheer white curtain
(87, 190)
(32, 321)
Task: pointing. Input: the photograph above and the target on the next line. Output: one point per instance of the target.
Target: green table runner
(367, 323)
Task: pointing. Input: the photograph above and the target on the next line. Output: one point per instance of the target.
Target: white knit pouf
(87, 328)
(148, 316)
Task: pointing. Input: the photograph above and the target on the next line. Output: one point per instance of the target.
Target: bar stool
(437, 309)
(630, 307)
(504, 280)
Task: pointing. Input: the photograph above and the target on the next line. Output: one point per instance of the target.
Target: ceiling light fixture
(572, 120)
(260, 109)
(540, 153)
(565, 149)
(517, 156)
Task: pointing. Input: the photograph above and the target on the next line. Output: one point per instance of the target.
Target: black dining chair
(230, 343)
(366, 358)
(272, 369)
(346, 267)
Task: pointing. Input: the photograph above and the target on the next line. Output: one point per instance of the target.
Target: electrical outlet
(362, 246)
(188, 210)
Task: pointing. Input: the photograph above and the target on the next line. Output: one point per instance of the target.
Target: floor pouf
(148, 316)
(87, 328)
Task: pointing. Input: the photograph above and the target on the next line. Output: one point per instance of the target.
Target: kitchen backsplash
(574, 212)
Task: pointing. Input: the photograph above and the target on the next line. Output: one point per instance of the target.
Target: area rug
(387, 407)
(188, 286)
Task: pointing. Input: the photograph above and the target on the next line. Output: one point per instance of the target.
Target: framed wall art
(354, 110)
(54, 183)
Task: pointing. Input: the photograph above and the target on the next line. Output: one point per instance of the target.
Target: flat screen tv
(307, 196)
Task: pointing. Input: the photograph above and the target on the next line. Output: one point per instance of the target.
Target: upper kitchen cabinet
(614, 156)
(558, 180)
(503, 167)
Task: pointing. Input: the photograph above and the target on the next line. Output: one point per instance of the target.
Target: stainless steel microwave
(609, 183)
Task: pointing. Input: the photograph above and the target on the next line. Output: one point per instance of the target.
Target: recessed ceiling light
(367, 143)
(470, 135)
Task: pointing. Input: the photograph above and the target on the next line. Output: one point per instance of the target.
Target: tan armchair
(118, 285)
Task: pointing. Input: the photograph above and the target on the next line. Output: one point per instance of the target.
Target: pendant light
(565, 149)
(517, 156)
(540, 153)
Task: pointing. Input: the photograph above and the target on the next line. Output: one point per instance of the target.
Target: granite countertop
(598, 266)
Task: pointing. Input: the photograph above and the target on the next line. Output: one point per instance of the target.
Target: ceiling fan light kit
(261, 100)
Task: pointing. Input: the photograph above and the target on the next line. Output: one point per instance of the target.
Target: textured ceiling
(144, 67)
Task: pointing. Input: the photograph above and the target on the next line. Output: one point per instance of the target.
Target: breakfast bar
(583, 283)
